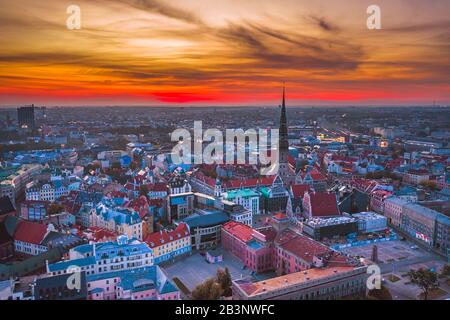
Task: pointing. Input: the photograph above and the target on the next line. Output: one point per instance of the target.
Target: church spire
(284, 170)
(283, 123)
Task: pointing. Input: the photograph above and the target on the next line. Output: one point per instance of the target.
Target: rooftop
(244, 193)
(239, 230)
(320, 222)
(300, 245)
(290, 280)
(157, 239)
(323, 204)
(205, 220)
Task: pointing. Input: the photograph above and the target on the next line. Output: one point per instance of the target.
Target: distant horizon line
(230, 106)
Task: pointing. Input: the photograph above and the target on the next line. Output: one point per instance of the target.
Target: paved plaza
(389, 251)
(194, 269)
(396, 259)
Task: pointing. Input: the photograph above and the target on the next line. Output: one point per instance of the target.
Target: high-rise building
(286, 173)
(25, 116)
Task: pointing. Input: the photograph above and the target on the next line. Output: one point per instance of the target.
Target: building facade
(104, 257)
(313, 284)
(168, 244)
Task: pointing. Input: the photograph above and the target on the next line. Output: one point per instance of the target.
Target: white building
(46, 192)
(370, 222)
(105, 257)
(247, 198)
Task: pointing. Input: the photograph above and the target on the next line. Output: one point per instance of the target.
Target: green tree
(224, 280)
(425, 279)
(55, 208)
(208, 290)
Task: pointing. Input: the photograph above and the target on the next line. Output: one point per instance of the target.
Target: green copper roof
(243, 193)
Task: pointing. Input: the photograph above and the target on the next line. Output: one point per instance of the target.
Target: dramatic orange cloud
(224, 52)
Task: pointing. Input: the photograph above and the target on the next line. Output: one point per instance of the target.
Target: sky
(224, 52)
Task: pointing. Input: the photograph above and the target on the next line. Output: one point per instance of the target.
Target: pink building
(295, 252)
(276, 248)
(393, 210)
(377, 198)
(253, 247)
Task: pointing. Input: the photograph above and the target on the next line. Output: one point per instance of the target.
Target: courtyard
(194, 269)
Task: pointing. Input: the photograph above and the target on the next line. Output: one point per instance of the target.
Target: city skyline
(183, 53)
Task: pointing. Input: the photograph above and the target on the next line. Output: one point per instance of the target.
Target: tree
(116, 165)
(429, 185)
(55, 208)
(224, 280)
(425, 279)
(208, 290)
(446, 270)
(380, 294)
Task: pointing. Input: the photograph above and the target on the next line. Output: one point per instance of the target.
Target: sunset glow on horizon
(224, 52)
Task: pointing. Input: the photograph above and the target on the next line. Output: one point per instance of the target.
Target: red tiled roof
(248, 183)
(235, 183)
(163, 237)
(381, 193)
(301, 246)
(239, 230)
(140, 205)
(118, 194)
(100, 234)
(270, 233)
(30, 232)
(394, 163)
(138, 202)
(323, 204)
(298, 190)
(317, 176)
(157, 187)
(336, 157)
(280, 216)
